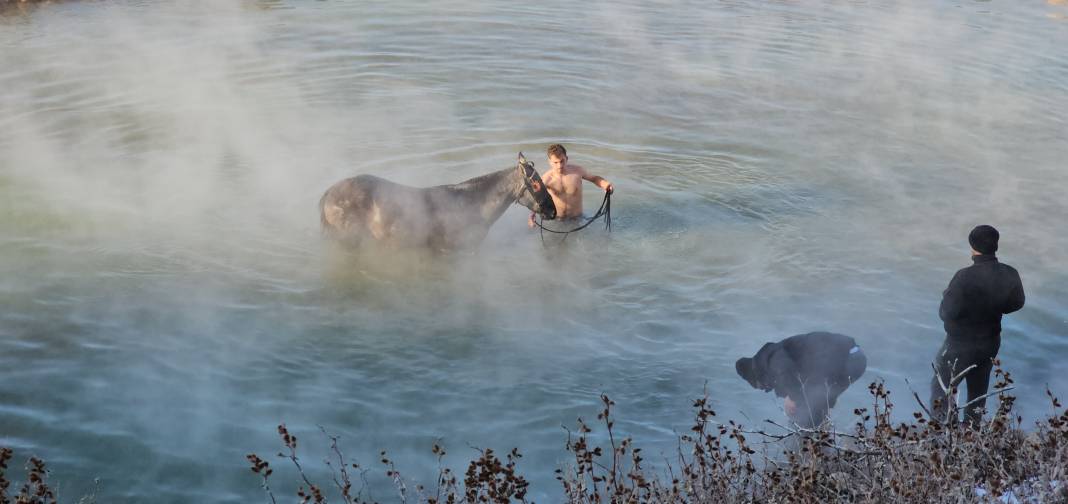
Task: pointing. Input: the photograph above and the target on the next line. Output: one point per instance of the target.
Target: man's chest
(568, 183)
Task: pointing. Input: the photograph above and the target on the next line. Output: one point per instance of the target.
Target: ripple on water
(166, 302)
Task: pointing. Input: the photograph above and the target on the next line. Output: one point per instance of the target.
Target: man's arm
(597, 180)
(787, 377)
(952, 299)
(1016, 297)
(788, 384)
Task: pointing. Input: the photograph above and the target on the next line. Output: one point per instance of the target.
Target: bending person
(809, 371)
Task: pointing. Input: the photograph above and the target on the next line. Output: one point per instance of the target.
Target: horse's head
(533, 195)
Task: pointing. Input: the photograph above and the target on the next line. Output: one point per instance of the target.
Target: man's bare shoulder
(577, 170)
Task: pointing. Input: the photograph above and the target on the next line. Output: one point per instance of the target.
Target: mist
(780, 168)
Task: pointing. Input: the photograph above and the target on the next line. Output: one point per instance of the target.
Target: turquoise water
(781, 167)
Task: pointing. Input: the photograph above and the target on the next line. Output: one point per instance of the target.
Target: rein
(605, 210)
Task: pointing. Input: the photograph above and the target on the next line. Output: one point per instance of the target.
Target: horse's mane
(479, 183)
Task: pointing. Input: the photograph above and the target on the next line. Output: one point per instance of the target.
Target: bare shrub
(922, 460)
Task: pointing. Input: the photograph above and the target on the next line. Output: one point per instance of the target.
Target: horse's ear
(522, 159)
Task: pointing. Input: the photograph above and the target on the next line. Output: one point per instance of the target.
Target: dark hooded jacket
(801, 361)
(975, 300)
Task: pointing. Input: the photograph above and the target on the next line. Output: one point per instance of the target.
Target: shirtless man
(564, 182)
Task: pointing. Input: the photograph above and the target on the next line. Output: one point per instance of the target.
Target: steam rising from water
(780, 168)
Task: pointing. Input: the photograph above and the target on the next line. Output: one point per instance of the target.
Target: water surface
(781, 167)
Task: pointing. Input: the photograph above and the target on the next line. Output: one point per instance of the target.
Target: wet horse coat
(366, 208)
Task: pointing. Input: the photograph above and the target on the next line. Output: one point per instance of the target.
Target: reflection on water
(167, 300)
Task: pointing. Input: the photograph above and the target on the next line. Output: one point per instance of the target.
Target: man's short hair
(557, 151)
(984, 239)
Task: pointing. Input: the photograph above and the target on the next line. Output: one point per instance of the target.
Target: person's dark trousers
(812, 408)
(953, 358)
(819, 398)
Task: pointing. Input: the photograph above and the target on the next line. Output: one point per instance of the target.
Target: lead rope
(605, 210)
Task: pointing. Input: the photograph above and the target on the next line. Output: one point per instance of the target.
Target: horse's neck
(491, 194)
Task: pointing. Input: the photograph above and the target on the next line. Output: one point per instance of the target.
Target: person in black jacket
(971, 310)
(809, 370)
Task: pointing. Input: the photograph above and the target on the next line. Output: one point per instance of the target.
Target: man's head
(557, 156)
(984, 239)
(747, 370)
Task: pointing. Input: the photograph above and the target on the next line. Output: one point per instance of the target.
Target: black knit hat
(746, 369)
(984, 239)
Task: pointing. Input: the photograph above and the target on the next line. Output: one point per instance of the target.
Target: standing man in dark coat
(971, 311)
(809, 371)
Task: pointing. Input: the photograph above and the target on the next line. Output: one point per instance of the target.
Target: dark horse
(366, 208)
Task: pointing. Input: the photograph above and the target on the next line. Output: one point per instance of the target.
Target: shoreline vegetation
(921, 460)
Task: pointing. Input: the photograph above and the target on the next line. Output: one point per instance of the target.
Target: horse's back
(344, 202)
(364, 205)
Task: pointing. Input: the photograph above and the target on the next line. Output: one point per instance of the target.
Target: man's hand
(531, 221)
(790, 406)
(609, 188)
